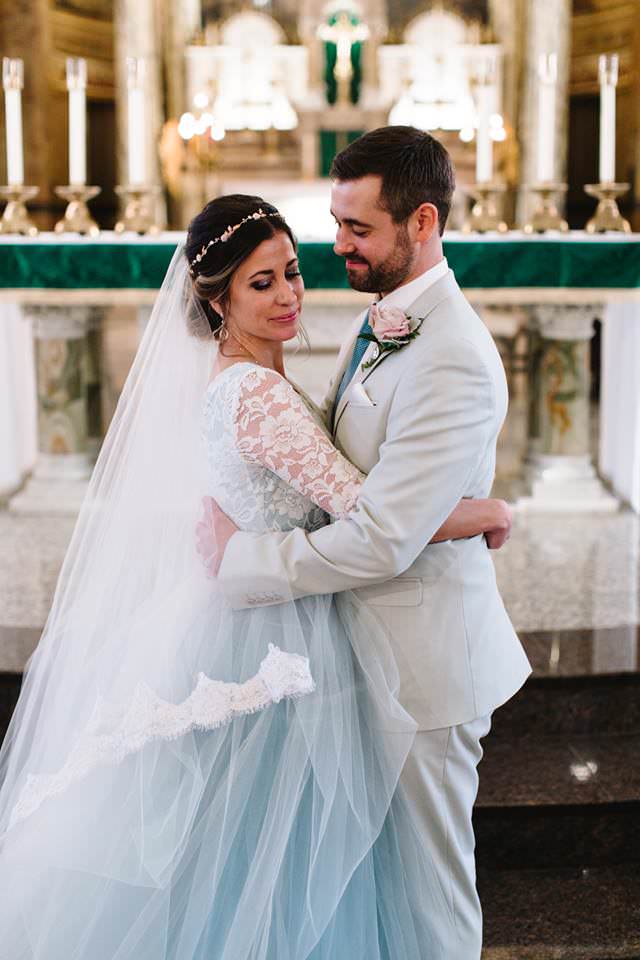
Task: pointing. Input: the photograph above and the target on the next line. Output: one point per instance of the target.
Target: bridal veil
(182, 781)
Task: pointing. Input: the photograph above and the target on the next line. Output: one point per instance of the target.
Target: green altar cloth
(505, 262)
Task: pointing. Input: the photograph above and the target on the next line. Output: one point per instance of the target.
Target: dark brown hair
(414, 166)
(212, 276)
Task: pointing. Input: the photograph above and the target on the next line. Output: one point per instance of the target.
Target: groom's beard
(388, 275)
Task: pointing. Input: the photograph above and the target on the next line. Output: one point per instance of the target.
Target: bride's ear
(216, 306)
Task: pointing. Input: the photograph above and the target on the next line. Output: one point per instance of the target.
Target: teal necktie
(359, 350)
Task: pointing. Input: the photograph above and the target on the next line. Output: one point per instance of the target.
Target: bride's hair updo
(212, 275)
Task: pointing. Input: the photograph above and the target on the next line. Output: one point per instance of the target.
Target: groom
(421, 420)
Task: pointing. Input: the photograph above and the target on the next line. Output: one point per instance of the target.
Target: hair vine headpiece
(258, 215)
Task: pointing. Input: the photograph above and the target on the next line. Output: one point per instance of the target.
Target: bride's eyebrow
(259, 272)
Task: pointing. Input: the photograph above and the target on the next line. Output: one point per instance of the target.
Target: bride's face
(265, 297)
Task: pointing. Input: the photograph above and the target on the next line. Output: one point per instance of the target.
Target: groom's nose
(343, 244)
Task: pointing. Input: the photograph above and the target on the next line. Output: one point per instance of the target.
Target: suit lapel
(421, 307)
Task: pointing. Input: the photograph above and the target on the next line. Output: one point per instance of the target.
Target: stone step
(583, 681)
(570, 913)
(559, 801)
(579, 706)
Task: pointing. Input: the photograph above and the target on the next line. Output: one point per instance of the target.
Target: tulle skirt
(260, 817)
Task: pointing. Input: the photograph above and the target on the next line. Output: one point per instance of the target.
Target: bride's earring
(223, 333)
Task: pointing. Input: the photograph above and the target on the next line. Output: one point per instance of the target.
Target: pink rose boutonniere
(392, 330)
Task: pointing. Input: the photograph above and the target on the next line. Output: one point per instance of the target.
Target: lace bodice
(271, 463)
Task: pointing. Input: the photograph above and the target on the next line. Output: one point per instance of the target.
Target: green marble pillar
(561, 473)
(67, 367)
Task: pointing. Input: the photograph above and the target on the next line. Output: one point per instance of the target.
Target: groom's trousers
(440, 781)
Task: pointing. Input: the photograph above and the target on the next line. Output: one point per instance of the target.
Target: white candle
(608, 72)
(13, 83)
(547, 77)
(136, 122)
(76, 85)
(484, 144)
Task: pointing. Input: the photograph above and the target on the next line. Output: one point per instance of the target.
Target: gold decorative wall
(44, 34)
(604, 26)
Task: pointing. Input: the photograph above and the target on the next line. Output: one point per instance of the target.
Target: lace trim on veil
(211, 704)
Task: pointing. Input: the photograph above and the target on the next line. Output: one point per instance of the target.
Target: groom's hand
(213, 533)
(472, 517)
(498, 534)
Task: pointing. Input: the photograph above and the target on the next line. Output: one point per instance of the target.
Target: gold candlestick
(138, 215)
(77, 218)
(485, 215)
(15, 218)
(546, 216)
(607, 215)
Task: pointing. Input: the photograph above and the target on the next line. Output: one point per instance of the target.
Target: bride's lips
(287, 317)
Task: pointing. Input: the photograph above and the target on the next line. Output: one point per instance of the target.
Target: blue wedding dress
(241, 799)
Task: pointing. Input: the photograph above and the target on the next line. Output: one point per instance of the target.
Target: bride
(182, 781)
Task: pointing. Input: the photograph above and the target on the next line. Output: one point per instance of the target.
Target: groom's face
(378, 253)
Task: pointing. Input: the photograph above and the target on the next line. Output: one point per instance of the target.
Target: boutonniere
(392, 329)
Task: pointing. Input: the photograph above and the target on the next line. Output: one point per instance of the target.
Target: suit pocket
(435, 560)
(401, 592)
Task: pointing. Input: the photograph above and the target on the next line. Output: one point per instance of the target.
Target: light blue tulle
(280, 836)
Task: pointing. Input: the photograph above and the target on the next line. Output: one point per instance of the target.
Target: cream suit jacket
(422, 423)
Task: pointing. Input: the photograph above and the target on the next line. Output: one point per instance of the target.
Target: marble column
(93, 380)
(64, 461)
(561, 472)
(182, 20)
(137, 35)
(181, 26)
(547, 29)
(17, 399)
(505, 20)
(375, 17)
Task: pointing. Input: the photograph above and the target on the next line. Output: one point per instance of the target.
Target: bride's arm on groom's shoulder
(275, 429)
(442, 423)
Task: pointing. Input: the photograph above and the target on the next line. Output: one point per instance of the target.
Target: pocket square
(359, 397)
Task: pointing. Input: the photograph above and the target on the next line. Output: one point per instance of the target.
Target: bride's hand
(213, 533)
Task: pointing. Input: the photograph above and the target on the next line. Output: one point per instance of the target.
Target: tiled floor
(571, 571)
(555, 574)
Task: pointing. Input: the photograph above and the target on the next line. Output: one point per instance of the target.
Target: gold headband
(258, 215)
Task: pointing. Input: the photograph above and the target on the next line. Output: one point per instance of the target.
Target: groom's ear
(426, 222)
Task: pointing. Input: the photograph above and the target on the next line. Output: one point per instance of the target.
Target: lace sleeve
(275, 429)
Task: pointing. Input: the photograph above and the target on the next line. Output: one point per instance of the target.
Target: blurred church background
(123, 117)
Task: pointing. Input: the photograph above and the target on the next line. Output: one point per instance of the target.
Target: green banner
(476, 263)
